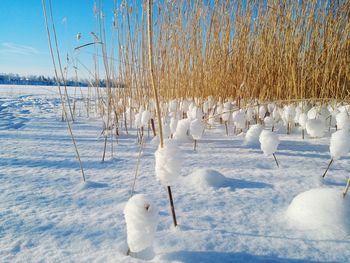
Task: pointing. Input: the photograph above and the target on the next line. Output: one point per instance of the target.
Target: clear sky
(23, 40)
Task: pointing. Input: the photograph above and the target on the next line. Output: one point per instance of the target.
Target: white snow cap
(340, 144)
(141, 217)
(276, 114)
(181, 129)
(252, 136)
(250, 114)
(302, 120)
(268, 142)
(262, 112)
(146, 116)
(269, 121)
(343, 121)
(239, 119)
(168, 163)
(196, 129)
(315, 128)
(322, 210)
(289, 113)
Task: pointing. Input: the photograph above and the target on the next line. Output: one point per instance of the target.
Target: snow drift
(204, 179)
(321, 210)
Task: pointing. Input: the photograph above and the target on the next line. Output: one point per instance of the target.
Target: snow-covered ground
(48, 214)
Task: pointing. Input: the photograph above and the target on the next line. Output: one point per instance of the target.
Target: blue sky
(23, 40)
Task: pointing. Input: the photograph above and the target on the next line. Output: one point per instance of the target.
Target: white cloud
(12, 48)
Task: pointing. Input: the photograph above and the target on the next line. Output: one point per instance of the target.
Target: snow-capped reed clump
(302, 122)
(340, 144)
(343, 121)
(315, 127)
(141, 217)
(322, 212)
(270, 107)
(239, 119)
(146, 116)
(269, 121)
(172, 106)
(168, 163)
(184, 105)
(269, 142)
(313, 113)
(138, 122)
(262, 112)
(250, 114)
(204, 179)
(206, 107)
(289, 113)
(182, 128)
(276, 114)
(195, 112)
(196, 130)
(253, 133)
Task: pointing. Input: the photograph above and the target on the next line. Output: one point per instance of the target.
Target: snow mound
(315, 128)
(168, 163)
(268, 142)
(340, 144)
(141, 218)
(252, 136)
(202, 179)
(322, 210)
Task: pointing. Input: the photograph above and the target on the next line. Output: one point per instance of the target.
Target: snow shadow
(213, 256)
(93, 185)
(244, 184)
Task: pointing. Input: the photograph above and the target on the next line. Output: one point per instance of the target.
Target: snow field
(48, 214)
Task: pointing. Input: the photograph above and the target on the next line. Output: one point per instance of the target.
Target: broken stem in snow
(274, 156)
(327, 168)
(172, 206)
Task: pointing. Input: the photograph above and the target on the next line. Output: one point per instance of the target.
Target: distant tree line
(16, 79)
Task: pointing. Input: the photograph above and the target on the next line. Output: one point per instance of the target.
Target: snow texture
(196, 129)
(168, 163)
(340, 144)
(269, 142)
(315, 128)
(252, 135)
(323, 211)
(141, 217)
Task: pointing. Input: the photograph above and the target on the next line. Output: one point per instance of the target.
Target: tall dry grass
(278, 49)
